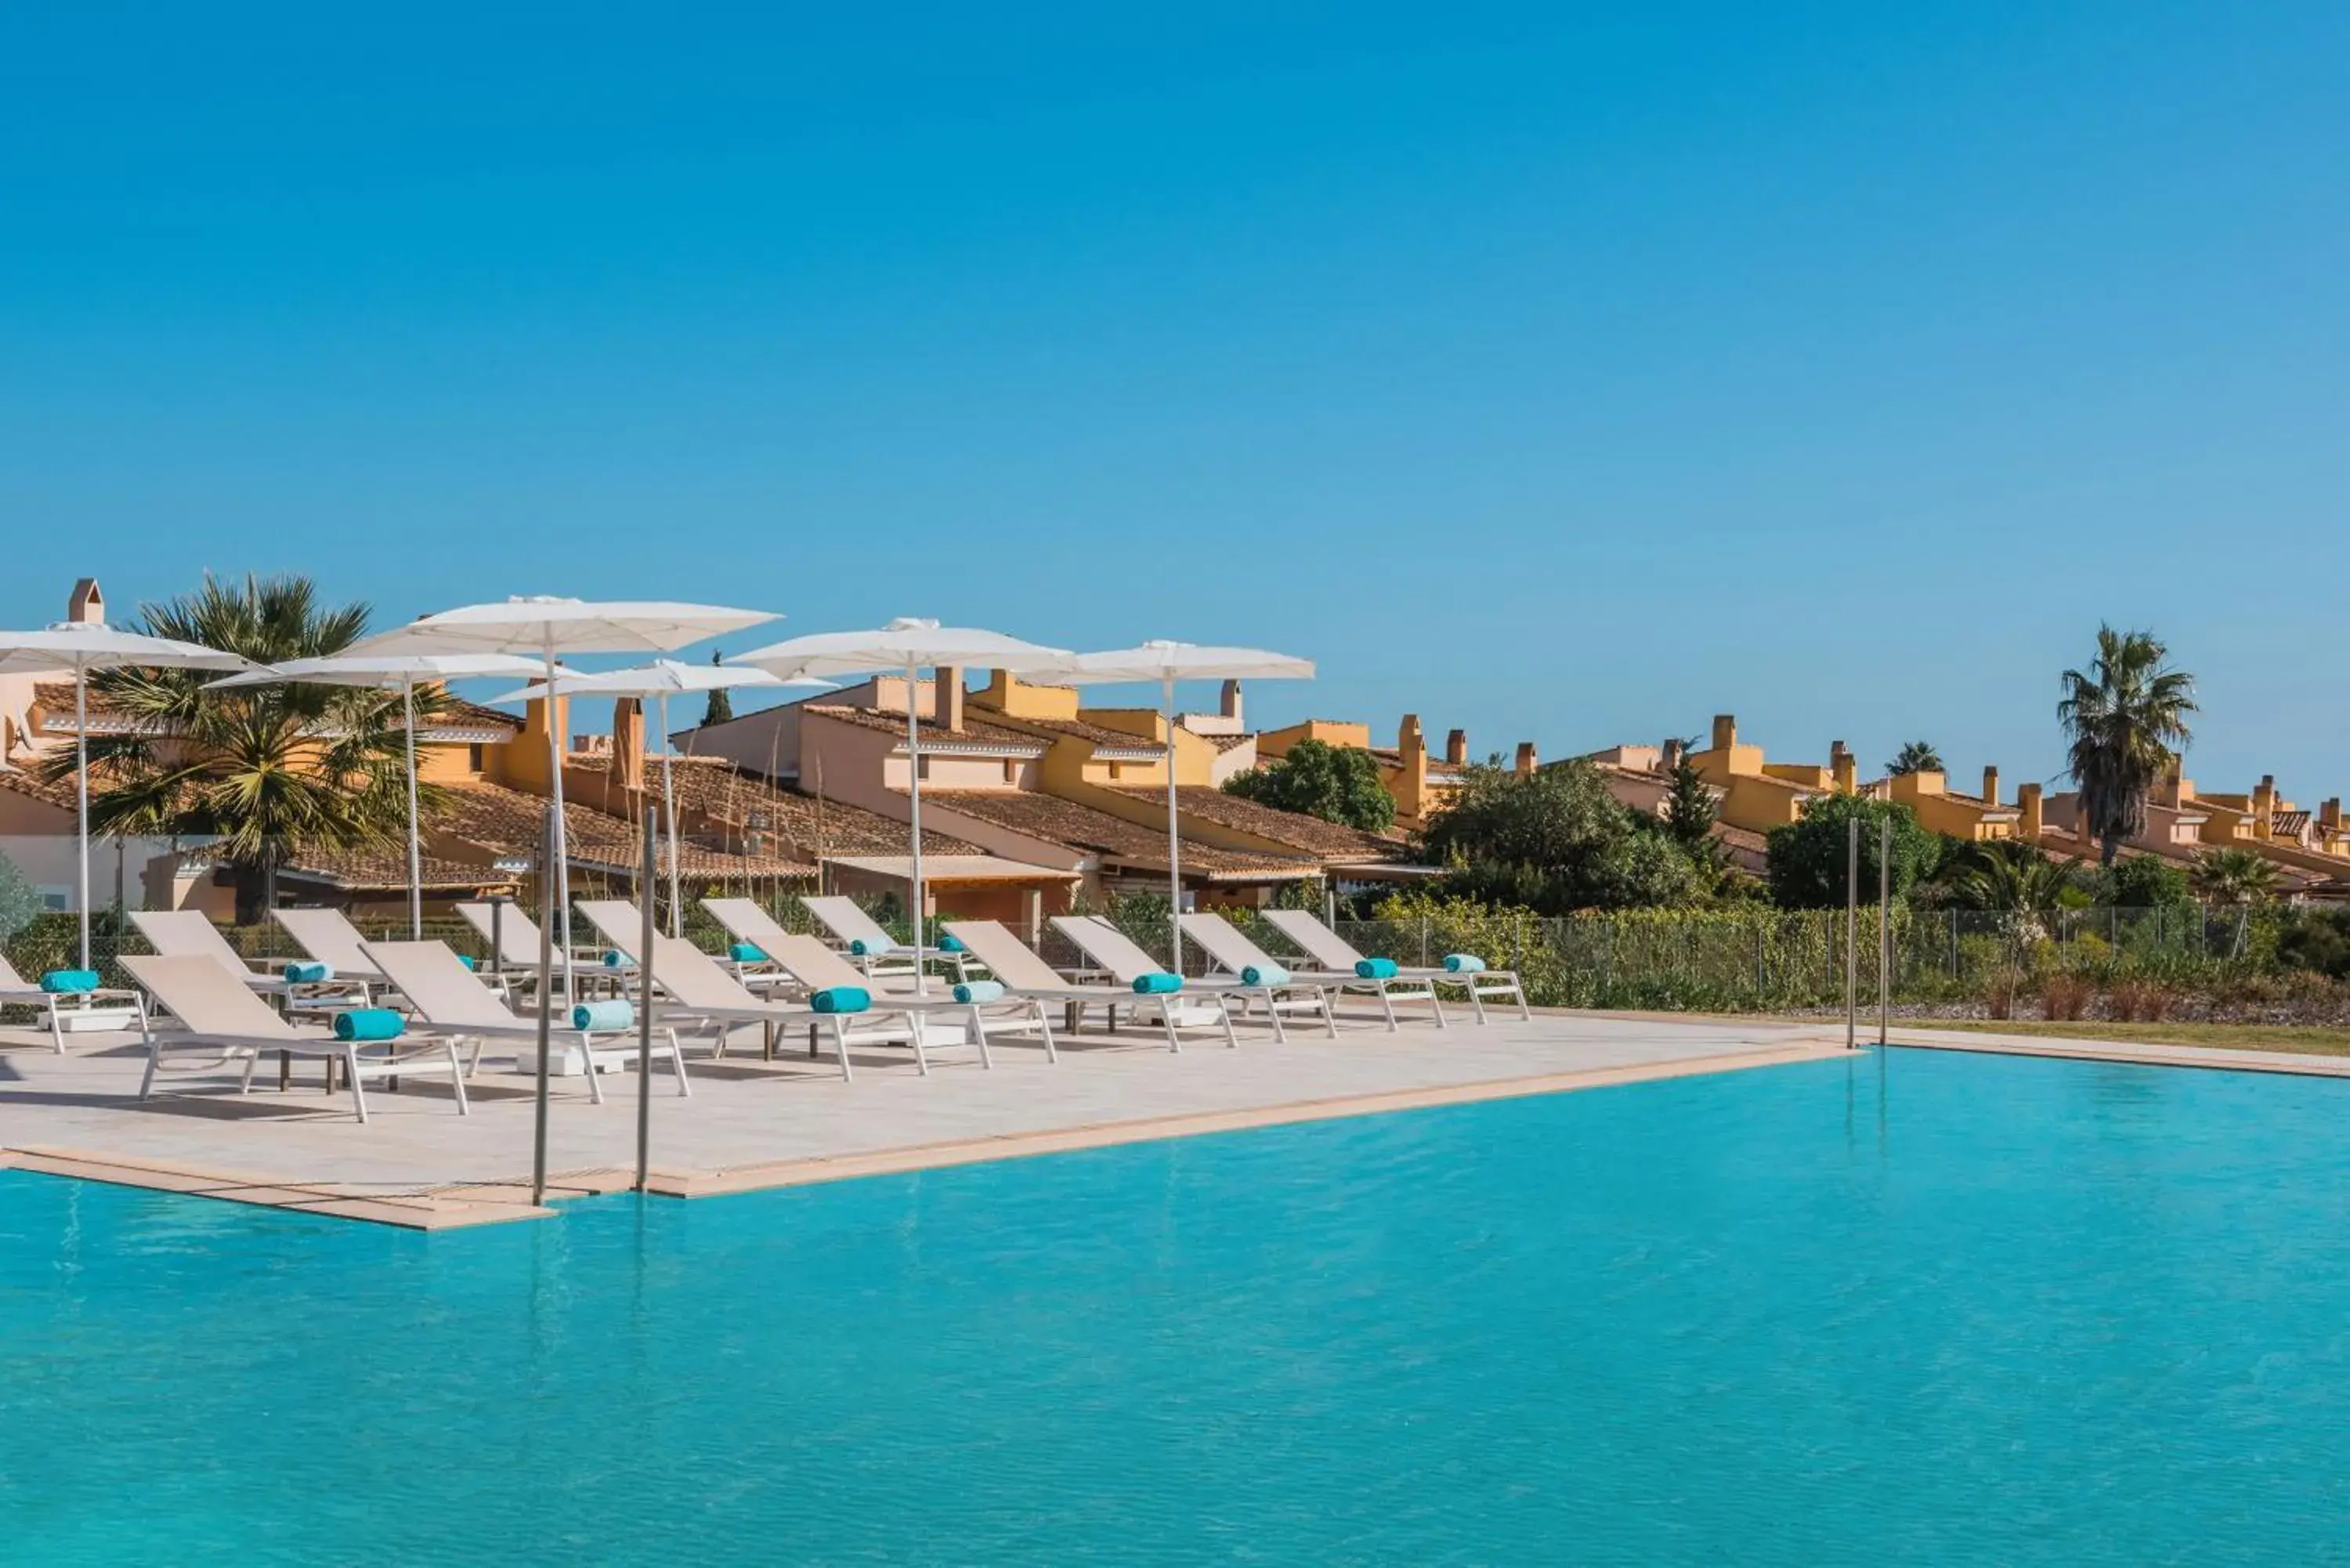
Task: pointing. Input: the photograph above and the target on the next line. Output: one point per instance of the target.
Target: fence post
(1423, 942)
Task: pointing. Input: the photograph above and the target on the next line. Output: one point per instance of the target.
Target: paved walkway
(754, 1124)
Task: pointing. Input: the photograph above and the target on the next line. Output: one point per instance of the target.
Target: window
(54, 900)
(473, 757)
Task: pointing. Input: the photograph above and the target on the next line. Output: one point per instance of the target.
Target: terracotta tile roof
(457, 719)
(20, 781)
(1101, 736)
(974, 731)
(379, 870)
(1329, 842)
(717, 790)
(1226, 743)
(1059, 821)
(507, 822)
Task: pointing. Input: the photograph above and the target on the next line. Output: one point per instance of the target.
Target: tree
(1916, 757)
(2009, 875)
(2144, 882)
(1337, 783)
(271, 771)
(1555, 841)
(2124, 720)
(19, 899)
(720, 707)
(1807, 859)
(2235, 877)
(1691, 807)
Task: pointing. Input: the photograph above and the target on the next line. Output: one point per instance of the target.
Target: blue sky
(1566, 373)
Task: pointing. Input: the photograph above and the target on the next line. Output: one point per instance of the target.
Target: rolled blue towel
(1375, 969)
(1463, 963)
(1159, 983)
(469, 960)
(614, 1013)
(368, 1023)
(69, 982)
(614, 958)
(303, 971)
(950, 944)
(841, 999)
(746, 952)
(1271, 975)
(873, 948)
(979, 990)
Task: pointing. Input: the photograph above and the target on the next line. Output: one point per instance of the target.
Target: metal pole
(562, 867)
(1174, 837)
(415, 856)
(1884, 929)
(1852, 935)
(547, 850)
(914, 816)
(645, 1001)
(669, 810)
(81, 793)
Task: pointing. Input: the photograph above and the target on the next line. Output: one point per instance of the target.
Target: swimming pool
(1916, 1308)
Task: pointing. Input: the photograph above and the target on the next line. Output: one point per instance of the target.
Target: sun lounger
(872, 949)
(190, 933)
(1202, 1005)
(58, 1006)
(514, 936)
(1333, 951)
(1022, 973)
(703, 989)
(328, 937)
(451, 1001)
(224, 1018)
(1231, 951)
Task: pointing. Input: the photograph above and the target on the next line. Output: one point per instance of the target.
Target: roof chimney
(1668, 756)
(946, 697)
(2028, 825)
(87, 606)
(1842, 769)
(1991, 786)
(1456, 748)
(1528, 761)
(628, 744)
(2265, 806)
(1229, 703)
(2329, 814)
(1725, 732)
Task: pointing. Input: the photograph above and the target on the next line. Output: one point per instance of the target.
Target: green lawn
(2312, 1039)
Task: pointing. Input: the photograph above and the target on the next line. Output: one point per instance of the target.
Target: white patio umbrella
(1166, 663)
(658, 680)
(78, 648)
(548, 626)
(911, 646)
(393, 673)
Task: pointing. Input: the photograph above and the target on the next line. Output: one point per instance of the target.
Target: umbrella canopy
(394, 672)
(1167, 662)
(912, 646)
(658, 680)
(80, 647)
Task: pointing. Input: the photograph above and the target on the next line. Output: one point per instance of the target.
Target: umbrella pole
(914, 814)
(669, 809)
(415, 854)
(646, 939)
(81, 796)
(562, 847)
(1174, 837)
(547, 848)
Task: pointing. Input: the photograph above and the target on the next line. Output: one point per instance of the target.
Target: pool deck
(754, 1124)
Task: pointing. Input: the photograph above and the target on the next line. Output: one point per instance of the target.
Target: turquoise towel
(469, 960)
(841, 999)
(1375, 969)
(617, 1013)
(1463, 963)
(1160, 983)
(368, 1023)
(874, 948)
(69, 982)
(950, 944)
(1271, 975)
(979, 990)
(613, 958)
(746, 952)
(304, 972)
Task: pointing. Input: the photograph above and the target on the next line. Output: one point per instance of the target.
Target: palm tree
(2012, 876)
(2125, 717)
(2235, 877)
(270, 772)
(1916, 757)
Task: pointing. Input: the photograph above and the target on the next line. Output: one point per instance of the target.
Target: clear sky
(1566, 373)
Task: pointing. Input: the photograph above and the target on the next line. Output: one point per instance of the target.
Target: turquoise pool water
(1921, 1309)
